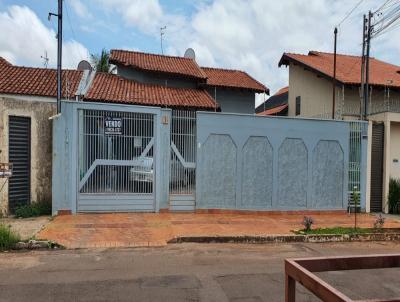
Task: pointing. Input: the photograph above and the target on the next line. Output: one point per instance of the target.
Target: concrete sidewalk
(150, 229)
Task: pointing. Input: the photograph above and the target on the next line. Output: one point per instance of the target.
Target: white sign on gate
(112, 126)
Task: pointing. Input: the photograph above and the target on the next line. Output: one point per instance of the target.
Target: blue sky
(249, 35)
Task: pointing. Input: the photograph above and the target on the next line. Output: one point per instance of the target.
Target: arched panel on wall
(292, 174)
(327, 175)
(219, 172)
(257, 161)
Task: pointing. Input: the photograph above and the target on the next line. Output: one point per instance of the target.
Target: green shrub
(34, 209)
(394, 194)
(8, 238)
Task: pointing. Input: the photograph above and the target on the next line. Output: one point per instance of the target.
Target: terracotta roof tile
(112, 88)
(348, 68)
(4, 62)
(160, 63)
(36, 81)
(282, 91)
(274, 110)
(232, 79)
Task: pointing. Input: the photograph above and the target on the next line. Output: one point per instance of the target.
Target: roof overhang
(286, 60)
(236, 88)
(151, 71)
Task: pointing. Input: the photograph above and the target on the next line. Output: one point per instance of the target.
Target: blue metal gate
(116, 161)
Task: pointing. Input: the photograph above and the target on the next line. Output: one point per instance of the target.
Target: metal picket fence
(356, 135)
(183, 152)
(115, 152)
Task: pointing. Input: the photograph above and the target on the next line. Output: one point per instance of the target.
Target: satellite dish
(84, 65)
(190, 54)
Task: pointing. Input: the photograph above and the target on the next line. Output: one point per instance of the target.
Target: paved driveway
(146, 229)
(183, 272)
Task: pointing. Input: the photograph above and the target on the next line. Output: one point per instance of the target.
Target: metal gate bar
(183, 152)
(116, 162)
(354, 183)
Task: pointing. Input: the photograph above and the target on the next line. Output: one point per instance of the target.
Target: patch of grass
(8, 238)
(33, 210)
(337, 231)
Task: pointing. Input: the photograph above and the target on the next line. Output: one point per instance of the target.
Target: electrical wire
(383, 6)
(350, 12)
(72, 29)
(388, 21)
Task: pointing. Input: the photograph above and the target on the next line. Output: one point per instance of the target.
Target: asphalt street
(183, 272)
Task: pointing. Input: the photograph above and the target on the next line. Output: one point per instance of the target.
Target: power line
(382, 6)
(59, 16)
(350, 12)
(72, 29)
(387, 22)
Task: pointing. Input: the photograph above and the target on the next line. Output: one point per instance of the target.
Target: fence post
(290, 289)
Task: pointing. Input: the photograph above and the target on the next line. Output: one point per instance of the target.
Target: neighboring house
(276, 105)
(233, 90)
(27, 101)
(310, 95)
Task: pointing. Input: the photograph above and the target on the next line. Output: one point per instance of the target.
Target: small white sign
(112, 126)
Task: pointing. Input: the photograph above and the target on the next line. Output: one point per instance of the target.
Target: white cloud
(143, 15)
(252, 35)
(80, 9)
(25, 39)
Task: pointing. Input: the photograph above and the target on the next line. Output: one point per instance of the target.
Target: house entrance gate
(116, 161)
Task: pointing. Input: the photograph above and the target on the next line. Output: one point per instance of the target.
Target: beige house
(311, 95)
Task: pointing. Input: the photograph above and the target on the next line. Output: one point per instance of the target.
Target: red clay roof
(159, 63)
(274, 110)
(36, 81)
(232, 79)
(282, 91)
(348, 68)
(4, 62)
(112, 88)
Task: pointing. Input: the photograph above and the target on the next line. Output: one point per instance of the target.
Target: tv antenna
(162, 33)
(45, 59)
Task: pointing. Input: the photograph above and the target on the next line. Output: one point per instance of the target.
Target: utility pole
(334, 74)
(59, 52)
(368, 44)
(362, 106)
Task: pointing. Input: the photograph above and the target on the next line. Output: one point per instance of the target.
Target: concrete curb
(288, 238)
